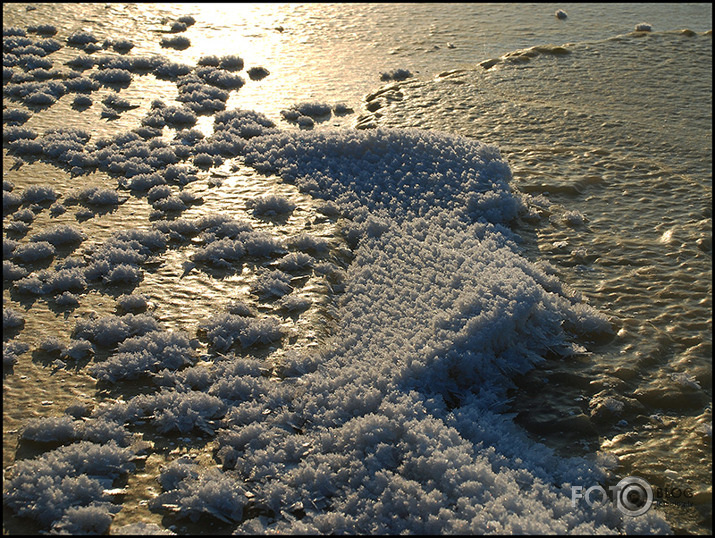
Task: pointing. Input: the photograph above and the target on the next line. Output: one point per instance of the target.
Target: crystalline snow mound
(46, 487)
(223, 330)
(60, 235)
(142, 355)
(30, 252)
(85, 520)
(212, 492)
(438, 302)
(11, 318)
(271, 205)
(133, 303)
(110, 330)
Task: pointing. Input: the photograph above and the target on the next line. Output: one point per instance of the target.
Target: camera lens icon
(634, 496)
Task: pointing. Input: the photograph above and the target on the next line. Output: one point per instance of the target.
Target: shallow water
(611, 138)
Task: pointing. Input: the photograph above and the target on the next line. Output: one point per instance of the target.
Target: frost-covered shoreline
(397, 424)
(439, 307)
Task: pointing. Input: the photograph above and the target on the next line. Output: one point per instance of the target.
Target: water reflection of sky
(288, 40)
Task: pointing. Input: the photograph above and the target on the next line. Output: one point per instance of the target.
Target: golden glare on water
(291, 41)
(227, 25)
(264, 35)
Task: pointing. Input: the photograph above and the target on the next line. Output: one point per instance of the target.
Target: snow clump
(47, 487)
(272, 284)
(110, 330)
(271, 205)
(144, 355)
(224, 330)
(11, 319)
(60, 235)
(31, 252)
(396, 74)
(176, 42)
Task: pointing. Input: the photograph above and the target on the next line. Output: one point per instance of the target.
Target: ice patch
(396, 74)
(395, 425)
(438, 304)
(270, 205)
(57, 482)
(11, 319)
(643, 27)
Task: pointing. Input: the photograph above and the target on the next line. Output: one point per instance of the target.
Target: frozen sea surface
(225, 309)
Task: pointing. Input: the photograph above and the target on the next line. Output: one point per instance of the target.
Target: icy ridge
(439, 307)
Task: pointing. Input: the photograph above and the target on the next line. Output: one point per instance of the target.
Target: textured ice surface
(11, 318)
(271, 205)
(396, 424)
(440, 307)
(75, 475)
